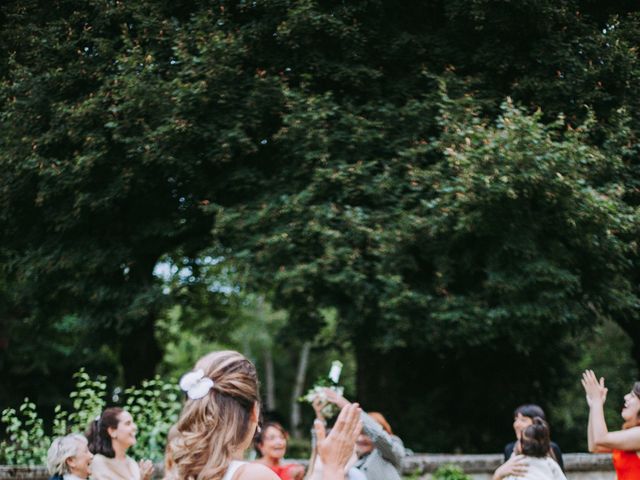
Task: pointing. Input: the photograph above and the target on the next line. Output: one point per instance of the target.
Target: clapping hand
(146, 469)
(594, 389)
(336, 449)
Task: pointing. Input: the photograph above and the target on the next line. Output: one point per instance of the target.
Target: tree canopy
(458, 180)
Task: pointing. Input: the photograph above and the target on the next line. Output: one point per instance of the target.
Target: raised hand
(335, 397)
(594, 389)
(146, 469)
(336, 449)
(517, 466)
(318, 404)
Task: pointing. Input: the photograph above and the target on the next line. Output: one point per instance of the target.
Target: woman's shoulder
(255, 471)
(99, 459)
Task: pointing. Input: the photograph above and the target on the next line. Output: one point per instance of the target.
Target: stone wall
(578, 466)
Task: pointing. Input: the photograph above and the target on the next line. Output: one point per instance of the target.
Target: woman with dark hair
(110, 435)
(523, 417)
(534, 447)
(625, 443)
(270, 444)
(516, 465)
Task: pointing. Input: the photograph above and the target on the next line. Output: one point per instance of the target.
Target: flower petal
(200, 389)
(188, 380)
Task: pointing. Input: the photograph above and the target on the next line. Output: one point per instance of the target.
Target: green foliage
(26, 442)
(310, 144)
(450, 472)
(450, 246)
(298, 448)
(154, 405)
(89, 399)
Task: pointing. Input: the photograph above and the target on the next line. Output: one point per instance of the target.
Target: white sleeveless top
(233, 468)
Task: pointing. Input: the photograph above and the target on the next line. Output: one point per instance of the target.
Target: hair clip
(196, 384)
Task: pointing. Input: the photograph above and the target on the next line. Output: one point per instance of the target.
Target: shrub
(450, 472)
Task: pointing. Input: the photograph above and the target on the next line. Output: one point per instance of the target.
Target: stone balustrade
(578, 466)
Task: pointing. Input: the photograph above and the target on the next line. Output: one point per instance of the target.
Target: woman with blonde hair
(220, 417)
(69, 458)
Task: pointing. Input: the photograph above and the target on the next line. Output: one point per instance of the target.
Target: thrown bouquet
(317, 391)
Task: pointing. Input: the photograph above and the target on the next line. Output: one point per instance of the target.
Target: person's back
(540, 468)
(522, 418)
(533, 448)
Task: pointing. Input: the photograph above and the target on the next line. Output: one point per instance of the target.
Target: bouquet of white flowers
(317, 391)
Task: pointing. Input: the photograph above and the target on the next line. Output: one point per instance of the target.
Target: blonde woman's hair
(211, 429)
(61, 449)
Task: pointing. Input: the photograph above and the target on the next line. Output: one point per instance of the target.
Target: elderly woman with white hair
(69, 458)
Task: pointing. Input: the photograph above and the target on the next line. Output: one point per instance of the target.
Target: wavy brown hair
(211, 429)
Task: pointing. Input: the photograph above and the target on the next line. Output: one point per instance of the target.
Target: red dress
(283, 471)
(627, 465)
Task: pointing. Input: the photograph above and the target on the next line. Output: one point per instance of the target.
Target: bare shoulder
(256, 471)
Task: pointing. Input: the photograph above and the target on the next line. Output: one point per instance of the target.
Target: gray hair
(61, 449)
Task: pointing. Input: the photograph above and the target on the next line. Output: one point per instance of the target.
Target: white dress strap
(233, 468)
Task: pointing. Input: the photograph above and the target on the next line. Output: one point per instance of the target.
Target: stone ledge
(487, 463)
(419, 463)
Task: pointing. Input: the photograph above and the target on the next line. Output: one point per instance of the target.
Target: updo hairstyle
(98, 432)
(535, 440)
(211, 429)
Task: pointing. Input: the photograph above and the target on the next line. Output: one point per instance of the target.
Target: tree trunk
(140, 352)
(298, 390)
(139, 349)
(270, 380)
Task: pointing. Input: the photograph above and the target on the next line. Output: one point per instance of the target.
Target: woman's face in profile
(631, 409)
(520, 422)
(80, 463)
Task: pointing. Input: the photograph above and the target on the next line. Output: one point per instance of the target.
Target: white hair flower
(196, 384)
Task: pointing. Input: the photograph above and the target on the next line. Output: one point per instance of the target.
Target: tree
(313, 140)
(442, 250)
(110, 154)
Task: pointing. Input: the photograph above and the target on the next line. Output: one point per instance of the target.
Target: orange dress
(627, 465)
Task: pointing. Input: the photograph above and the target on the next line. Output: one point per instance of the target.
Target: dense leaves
(355, 156)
